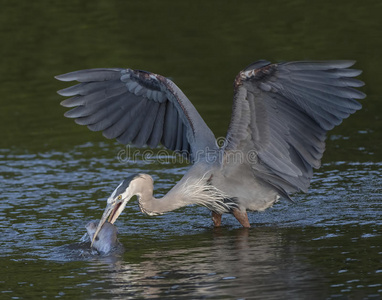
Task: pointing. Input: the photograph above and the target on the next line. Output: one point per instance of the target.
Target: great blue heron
(280, 115)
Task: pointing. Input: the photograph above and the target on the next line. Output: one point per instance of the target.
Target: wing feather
(157, 133)
(147, 127)
(179, 139)
(104, 118)
(170, 130)
(122, 124)
(133, 128)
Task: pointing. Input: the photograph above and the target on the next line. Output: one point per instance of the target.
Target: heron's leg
(217, 218)
(242, 217)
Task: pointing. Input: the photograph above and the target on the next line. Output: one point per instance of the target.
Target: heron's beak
(112, 211)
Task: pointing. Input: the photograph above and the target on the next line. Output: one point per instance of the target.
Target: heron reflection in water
(280, 115)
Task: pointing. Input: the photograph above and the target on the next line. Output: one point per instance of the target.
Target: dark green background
(200, 45)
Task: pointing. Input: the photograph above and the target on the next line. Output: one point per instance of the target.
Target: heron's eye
(119, 197)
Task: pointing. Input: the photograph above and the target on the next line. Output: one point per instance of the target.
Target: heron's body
(280, 116)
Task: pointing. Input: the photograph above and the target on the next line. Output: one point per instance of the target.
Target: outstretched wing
(281, 113)
(136, 107)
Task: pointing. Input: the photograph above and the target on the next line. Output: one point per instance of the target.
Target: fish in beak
(116, 203)
(107, 241)
(111, 213)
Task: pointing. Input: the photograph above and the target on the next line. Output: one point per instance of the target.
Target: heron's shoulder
(258, 71)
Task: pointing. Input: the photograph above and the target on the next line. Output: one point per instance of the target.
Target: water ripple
(47, 198)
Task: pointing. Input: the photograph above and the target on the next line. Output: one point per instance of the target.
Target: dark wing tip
(63, 92)
(339, 63)
(63, 77)
(360, 95)
(88, 75)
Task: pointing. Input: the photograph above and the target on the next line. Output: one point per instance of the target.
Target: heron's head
(117, 201)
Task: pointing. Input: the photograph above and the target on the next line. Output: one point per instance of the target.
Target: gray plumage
(291, 106)
(136, 107)
(280, 115)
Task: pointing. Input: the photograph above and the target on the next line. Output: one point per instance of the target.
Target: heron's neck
(193, 188)
(156, 206)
